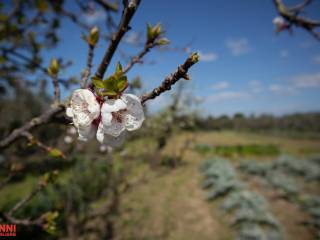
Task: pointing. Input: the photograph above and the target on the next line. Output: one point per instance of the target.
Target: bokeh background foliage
(201, 166)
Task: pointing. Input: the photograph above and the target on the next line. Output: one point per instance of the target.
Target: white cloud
(255, 86)
(294, 84)
(307, 81)
(282, 89)
(207, 57)
(238, 46)
(228, 95)
(132, 37)
(316, 59)
(220, 85)
(284, 53)
(95, 16)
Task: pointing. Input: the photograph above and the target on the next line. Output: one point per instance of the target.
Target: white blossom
(279, 22)
(103, 148)
(118, 115)
(84, 108)
(72, 130)
(68, 139)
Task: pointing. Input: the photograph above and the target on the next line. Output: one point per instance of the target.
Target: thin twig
(25, 200)
(123, 27)
(56, 88)
(292, 16)
(138, 58)
(41, 145)
(75, 19)
(24, 58)
(107, 6)
(87, 71)
(27, 222)
(35, 122)
(170, 80)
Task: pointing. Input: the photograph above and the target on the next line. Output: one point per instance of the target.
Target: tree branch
(35, 122)
(43, 182)
(56, 88)
(25, 200)
(292, 16)
(75, 19)
(123, 27)
(107, 6)
(32, 140)
(170, 80)
(87, 71)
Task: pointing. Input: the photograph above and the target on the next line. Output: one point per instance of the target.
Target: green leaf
(156, 30)
(149, 32)
(110, 84)
(54, 152)
(97, 82)
(119, 68)
(163, 41)
(122, 83)
(109, 93)
(51, 218)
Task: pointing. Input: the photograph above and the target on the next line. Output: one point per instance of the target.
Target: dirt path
(171, 206)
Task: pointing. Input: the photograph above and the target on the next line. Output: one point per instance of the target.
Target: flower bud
(195, 57)
(163, 41)
(53, 68)
(93, 36)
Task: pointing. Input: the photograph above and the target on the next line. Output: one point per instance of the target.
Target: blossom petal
(109, 140)
(85, 107)
(134, 116)
(86, 133)
(115, 128)
(113, 105)
(82, 119)
(94, 108)
(69, 112)
(114, 141)
(106, 118)
(100, 133)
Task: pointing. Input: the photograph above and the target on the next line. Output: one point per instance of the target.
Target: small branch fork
(33, 141)
(35, 122)
(292, 16)
(123, 27)
(138, 58)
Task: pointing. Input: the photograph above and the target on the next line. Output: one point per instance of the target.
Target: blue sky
(245, 67)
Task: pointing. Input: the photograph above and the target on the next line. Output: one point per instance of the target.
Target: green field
(168, 203)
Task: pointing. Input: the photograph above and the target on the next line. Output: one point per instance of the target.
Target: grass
(239, 150)
(292, 146)
(15, 191)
